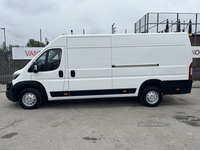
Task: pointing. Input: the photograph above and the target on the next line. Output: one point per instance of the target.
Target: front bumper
(9, 91)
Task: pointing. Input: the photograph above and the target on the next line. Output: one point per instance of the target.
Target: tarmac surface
(103, 124)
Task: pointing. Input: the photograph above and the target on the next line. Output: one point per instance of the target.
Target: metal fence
(8, 66)
(168, 22)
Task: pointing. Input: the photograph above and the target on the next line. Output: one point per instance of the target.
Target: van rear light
(190, 72)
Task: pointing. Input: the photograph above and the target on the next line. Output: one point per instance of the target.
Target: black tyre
(30, 98)
(151, 96)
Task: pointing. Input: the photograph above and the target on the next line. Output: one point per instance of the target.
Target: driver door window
(50, 60)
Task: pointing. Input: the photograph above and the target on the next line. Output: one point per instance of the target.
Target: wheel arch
(29, 84)
(152, 82)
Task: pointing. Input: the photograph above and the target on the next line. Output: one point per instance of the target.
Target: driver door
(51, 72)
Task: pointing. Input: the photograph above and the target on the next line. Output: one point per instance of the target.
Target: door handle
(73, 73)
(60, 73)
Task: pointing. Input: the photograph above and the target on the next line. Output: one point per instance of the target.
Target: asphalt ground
(102, 124)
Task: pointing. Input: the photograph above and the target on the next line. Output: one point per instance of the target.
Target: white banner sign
(25, 52)
(196, 51)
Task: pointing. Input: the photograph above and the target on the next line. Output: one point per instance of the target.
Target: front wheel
(30, 98)
(151, 96)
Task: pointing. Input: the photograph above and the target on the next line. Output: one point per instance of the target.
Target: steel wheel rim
(152, 97)
(29, 99)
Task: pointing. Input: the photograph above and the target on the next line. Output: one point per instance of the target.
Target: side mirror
(35, 67)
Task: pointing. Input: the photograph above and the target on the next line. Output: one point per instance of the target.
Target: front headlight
(14, 76)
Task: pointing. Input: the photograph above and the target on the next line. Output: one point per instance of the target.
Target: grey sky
(23, 18)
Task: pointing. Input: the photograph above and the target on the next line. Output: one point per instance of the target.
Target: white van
(105, 66)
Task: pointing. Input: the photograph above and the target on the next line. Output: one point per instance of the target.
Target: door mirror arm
(35, 67)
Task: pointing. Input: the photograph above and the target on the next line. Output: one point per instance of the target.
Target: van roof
(128, 34)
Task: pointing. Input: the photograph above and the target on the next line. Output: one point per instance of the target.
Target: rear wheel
(30, 98)
(151, 96)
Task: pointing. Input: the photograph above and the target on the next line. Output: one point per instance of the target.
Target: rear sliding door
(89, 67)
